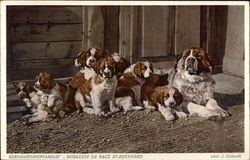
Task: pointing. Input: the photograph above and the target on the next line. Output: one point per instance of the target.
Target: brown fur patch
(122, 65)
(46, 82)
(128, 80)
(77, 80)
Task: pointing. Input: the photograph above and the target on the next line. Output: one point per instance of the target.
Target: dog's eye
(166, 96)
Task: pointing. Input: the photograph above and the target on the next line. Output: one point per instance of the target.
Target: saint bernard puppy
(60, 97)
(127, 95)
(86, 61)
(121, 63)
(28, 95)
(192, 77)
(166, 99)
(98, 92)
(89, 58)
(155, 80)
(37, 103)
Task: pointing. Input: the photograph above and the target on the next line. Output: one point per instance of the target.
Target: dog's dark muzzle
(172, 105)
(21, 95)
(191, 65)
(107, 74)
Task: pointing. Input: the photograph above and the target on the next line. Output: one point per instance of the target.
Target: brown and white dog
(28, 95)
(192, 77)
(98, 92)
(155, 80)
(89, 58)
(157, 95)
(60, 97)
(121, 63)
(37, 103)
(129, 86)
(86, 61)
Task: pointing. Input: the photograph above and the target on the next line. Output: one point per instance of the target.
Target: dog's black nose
(107, 74)
(171, 104)
(92, 61)
(191, 60)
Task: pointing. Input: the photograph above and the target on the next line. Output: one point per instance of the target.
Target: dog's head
(194, 61)
(89, 58)
(22, 89)
(121, 62)
(172, 97)
(44, 82)
(143, 69)
(167, 96)
(106, 67)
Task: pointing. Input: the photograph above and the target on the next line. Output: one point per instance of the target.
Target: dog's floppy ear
(210, 59)
(137, 69)
(82, 58)
(179, 97)
(97, 66)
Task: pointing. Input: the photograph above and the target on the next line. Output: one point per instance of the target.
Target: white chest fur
(88, 73)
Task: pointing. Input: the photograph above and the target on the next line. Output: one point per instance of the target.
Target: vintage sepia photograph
(124, 81)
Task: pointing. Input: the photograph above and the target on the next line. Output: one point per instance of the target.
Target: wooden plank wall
(43, 39)
(187, 27)
(157, 31)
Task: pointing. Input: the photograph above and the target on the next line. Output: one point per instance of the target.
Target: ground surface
(135, 132)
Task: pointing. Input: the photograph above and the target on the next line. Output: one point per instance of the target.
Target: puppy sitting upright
(60, 97)
(86, 61)
(129, 86)
(99, 90)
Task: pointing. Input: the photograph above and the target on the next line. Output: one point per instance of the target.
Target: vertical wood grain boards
(187, 27)
(155, 25)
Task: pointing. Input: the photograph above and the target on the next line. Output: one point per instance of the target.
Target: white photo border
(148, 156)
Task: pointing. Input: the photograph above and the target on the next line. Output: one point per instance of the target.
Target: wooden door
(157, 31)
(213, 31)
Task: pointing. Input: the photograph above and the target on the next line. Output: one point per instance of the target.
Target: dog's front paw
(100, 113)
(27, 102)
(114, 109)
(44, 99)
(181, 115)
(169, 117)
(26, 117)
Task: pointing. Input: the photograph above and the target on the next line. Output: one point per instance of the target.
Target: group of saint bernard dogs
(108, 84)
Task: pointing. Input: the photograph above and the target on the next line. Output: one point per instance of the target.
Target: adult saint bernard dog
(192, 77)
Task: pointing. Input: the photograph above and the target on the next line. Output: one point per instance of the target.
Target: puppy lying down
(33, 101)
(157, 95)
